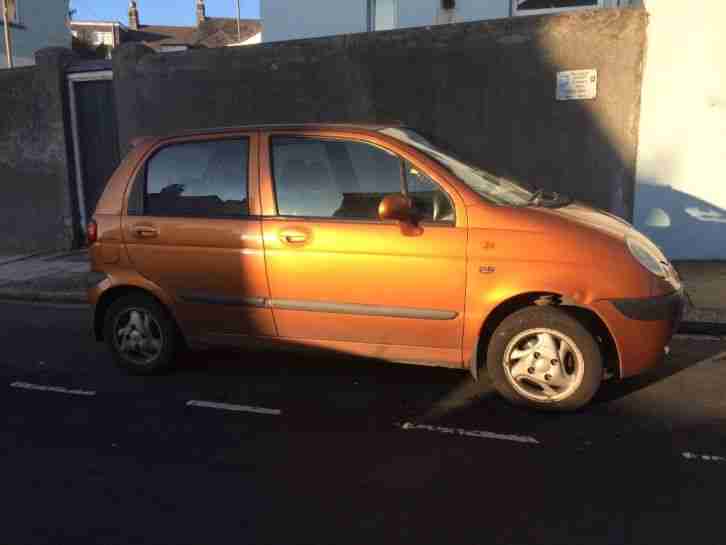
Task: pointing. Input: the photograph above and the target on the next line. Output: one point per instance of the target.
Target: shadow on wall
(484, 90)
(684, 226)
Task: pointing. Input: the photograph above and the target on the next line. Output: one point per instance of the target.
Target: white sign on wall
(577, 85)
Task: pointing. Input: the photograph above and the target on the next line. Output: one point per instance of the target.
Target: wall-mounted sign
(577, 85)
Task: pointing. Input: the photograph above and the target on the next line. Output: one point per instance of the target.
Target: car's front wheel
(142, 336)
(544, 358)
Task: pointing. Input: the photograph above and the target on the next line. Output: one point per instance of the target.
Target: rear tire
(142, 336)
(543, 358)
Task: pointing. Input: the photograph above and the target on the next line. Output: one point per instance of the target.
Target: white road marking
(58, 389)
(704, 457)
(233, 407)
(471, 433)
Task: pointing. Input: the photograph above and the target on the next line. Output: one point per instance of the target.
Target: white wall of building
(293, 19)
(680, 199)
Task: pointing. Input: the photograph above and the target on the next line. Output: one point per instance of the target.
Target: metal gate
(95, 135)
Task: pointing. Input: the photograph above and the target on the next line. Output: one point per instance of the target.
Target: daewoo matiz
(372, 241)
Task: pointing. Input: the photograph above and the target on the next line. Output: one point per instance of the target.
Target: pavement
(261, 447)
(55, 277)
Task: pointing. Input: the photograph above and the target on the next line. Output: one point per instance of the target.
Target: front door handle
(293, 236)
(145, 231)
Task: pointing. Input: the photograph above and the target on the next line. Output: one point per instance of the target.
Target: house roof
(213, 32)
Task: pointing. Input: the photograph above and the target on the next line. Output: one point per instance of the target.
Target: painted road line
(703, 457)
(233, 407)
(471, 433)
(57, 389)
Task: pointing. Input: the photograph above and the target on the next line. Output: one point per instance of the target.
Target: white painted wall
(292, 19)
(43, 24)
(680, 199)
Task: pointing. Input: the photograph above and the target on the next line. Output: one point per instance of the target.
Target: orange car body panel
(373, 288)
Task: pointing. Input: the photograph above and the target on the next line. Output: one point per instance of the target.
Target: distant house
(34, 24)
(208, 32)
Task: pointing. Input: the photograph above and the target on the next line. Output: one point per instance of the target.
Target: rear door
(193, 228)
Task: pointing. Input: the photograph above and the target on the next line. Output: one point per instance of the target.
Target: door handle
(293, 236)
(145, 231)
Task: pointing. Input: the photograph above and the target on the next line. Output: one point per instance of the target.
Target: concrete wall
(681, 191)
(485, 90)
(294, 19)
(42, 24)
(36, 201)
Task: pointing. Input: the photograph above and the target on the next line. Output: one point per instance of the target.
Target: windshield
(493, 188)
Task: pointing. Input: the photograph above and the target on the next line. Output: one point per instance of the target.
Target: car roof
(285, 126)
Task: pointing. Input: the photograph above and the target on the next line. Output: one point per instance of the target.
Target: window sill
(552, 11)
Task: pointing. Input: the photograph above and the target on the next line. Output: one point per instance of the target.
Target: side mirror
(396, 207)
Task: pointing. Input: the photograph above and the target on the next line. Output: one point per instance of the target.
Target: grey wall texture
(485, 90)
(36, 202)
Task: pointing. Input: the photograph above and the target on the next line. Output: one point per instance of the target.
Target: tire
(151, 345)
(534, 340)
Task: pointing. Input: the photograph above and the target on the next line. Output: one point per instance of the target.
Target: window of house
(344, 179)
(102, 38)
(382, 14)
(534, 7)
(198, 179)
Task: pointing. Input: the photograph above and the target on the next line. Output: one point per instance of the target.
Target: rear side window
(198, 179)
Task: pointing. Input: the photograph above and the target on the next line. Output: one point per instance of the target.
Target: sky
(161, 12)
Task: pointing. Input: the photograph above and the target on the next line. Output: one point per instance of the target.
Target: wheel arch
(586, 316)
(111, 295)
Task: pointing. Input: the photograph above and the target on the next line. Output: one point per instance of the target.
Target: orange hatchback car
(370, 240)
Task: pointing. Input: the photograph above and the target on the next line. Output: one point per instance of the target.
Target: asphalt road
(349, 452)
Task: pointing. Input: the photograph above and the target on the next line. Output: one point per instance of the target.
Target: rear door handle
(293, 236)
(145, 231)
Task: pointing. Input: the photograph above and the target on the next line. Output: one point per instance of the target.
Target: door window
(198, 179)
(332, 178)
(321, 178)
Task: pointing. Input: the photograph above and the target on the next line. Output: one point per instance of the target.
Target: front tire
(141, 335)
(543, 358)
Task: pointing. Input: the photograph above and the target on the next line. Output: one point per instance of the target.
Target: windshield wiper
(536, 197)
(541, 195)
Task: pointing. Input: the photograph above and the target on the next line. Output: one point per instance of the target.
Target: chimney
(201, 12)
(133, 16)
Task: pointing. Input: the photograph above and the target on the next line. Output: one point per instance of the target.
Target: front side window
(198, 179)
(533, 7)
(321, 178)
(430, 202)
(382, 14)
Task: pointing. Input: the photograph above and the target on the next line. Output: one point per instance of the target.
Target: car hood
(604, 222)
(592, 217)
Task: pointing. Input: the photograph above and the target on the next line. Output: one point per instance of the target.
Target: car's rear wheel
(544, 358)
(142, 336)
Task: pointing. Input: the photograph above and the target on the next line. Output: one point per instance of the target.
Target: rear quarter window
(194, 179)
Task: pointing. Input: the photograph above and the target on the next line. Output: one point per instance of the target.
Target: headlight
(645, 258)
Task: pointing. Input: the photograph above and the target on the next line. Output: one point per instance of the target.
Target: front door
(192, 228)
(338, 273)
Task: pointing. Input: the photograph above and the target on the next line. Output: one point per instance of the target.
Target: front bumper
(654, 309)
(642, 328)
